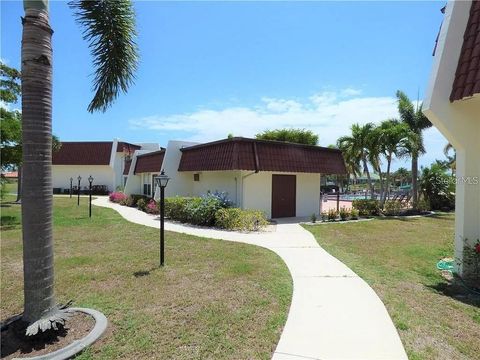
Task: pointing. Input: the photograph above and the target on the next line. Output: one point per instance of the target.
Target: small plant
(128, 201)
(324, 216)
(366, 207)
(332, 215)
(344, 214)
(354, 214)
(313, 218)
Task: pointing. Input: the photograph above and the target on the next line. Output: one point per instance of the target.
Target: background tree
(402, 175)
(109, 26)
(298, 136)
(417, 123)
(11, 125)
(356, 149)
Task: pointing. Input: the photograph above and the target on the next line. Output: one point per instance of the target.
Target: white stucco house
(105, 161)
(452, 104)
(281, 179)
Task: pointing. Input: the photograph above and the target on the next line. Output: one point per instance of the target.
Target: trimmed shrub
(142, 204)
(392, 208)
(117, 197)
(136, 197)
(344, 213)
(128, 201)
(366, 207)
(238, 219)
(176, 208)
(196, 210)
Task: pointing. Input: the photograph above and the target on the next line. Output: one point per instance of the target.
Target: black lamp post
(162, 181)
(90, 181)
(71, 187)
(78, 190)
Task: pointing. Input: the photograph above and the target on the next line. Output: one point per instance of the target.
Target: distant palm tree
(417, 122)
(110, 29)
(356, 148)
(402, 174)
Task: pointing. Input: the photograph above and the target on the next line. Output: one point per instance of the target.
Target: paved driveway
(334, 313)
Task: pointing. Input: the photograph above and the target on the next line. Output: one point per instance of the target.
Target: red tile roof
(127, 147)
(261, 155)
(150, 162)
(83, 153)
(467, 76)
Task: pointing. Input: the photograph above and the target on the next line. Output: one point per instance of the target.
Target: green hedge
(238, 219)
(213, 210)
(195, 210)
(367, 207)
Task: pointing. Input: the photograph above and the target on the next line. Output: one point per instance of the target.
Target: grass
(213, 299)
(397, 258)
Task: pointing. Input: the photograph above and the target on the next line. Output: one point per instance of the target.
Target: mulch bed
(15, 345)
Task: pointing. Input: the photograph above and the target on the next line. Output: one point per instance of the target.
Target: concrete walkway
(334, 313)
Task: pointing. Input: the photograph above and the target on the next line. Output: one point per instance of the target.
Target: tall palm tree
(110, 29)
(392, 136)
(358, 146)
(417, 122)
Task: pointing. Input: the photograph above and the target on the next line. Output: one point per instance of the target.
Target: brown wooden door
(284, 191)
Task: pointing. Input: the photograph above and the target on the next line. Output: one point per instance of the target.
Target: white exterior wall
(459, 122)
(181, 183)
(221, 181)
(102, 175)
(257, 192)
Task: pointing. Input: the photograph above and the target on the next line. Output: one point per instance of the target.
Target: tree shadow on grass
(142, 273)
(458, 292)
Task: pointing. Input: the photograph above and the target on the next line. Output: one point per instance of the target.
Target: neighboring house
(281, 179)
(453, 105)
(105, 161)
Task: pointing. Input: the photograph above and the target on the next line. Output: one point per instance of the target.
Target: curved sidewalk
(334, 314)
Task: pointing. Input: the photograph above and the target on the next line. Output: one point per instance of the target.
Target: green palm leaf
(109, 27)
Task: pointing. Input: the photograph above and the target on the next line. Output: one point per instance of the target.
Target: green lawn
(11, 187)
(213, 300)
(397, 258)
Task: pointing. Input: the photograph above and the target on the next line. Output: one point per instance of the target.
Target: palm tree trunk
(365, 167)
(387, 190)
(414, 181)
(37, 159)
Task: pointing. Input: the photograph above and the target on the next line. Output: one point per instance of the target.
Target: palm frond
(109, 28)
(406, 109)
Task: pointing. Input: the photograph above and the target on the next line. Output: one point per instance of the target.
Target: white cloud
(329, 114)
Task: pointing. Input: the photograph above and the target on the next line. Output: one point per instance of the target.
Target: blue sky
(212, 68)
